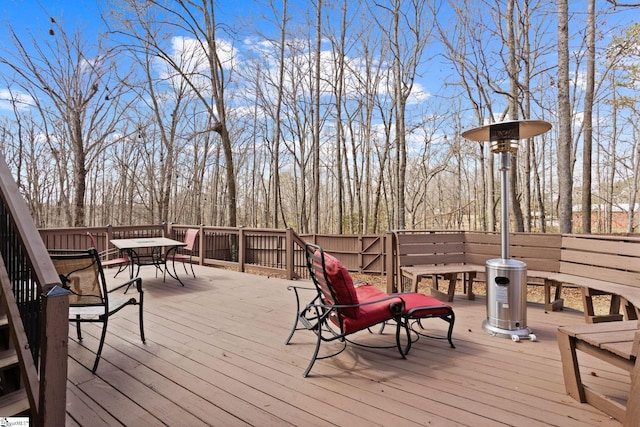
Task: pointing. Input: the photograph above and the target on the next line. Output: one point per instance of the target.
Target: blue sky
(33, 16)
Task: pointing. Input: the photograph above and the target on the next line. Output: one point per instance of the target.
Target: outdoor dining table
(157, 258)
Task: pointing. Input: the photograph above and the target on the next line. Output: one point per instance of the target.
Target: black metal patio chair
(90, 300)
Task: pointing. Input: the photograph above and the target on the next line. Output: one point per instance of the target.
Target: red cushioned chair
(340, 309)
(183, 254)
(111, 257)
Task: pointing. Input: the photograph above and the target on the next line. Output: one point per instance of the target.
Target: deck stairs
(13, 395)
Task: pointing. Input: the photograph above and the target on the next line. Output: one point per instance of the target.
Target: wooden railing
(34, 310)
(259, 250)
(274, 252)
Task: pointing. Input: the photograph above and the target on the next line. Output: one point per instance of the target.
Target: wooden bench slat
(621, 245)
(431, 259)
(573, 330)
(622, 349)
(449, 248)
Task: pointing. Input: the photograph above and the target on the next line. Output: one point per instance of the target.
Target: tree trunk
(565, 183)
(587, 142)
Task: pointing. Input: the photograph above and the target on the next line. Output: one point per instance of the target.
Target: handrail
(36, 307)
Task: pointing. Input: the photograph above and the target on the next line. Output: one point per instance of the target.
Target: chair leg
(192, 272)
(78, 330)
(315, 352)
(140, 319)
(403, 323)
(99, 352)
(451, 319)
(184, 265)
(121, 268)
(295, 324)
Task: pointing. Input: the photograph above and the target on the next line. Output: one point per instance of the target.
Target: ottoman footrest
(418, 307)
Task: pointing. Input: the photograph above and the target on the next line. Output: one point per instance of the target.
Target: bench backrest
(539, 251)
(607, 258)
(429, 248)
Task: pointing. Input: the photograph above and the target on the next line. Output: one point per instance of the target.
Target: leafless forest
(331, 116)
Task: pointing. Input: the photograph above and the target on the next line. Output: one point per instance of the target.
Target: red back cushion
(342, 284)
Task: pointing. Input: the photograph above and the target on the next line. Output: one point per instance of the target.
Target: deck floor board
(215, 355)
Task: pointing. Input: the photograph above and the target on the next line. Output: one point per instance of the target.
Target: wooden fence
(266, 251)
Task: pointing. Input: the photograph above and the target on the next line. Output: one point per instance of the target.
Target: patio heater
(506, 278)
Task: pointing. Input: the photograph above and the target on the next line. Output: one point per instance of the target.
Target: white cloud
(21, 100)
(191, 57)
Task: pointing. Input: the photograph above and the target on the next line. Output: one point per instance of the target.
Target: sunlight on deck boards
(215, 355)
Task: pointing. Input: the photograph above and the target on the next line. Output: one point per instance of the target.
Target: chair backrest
(332, 280)
(190, 238)
(81, 272)
(92, 239)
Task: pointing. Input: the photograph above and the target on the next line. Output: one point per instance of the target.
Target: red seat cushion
(425, 305)
(370, 314)
(342, 284)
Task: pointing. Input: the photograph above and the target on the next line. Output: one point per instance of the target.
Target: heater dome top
(508, 131)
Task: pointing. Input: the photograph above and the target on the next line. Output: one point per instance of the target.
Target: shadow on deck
(215, 356)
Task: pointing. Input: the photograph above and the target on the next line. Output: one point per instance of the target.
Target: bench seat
(622, 296)
(450, 273)
(470, 271)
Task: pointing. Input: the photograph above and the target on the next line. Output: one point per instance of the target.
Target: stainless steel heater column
(506, 278)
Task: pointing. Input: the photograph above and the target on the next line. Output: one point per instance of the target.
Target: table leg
(135, 260)
(173, 262)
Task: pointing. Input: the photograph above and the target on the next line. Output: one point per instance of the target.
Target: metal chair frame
(178, 254)
(74, 266)
(326, 318)
(323, 311)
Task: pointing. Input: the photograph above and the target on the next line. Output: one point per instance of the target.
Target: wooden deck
(215, 356)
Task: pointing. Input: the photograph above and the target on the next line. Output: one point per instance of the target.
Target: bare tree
(565, 181)
(207, 79)
(408, 35)
(82, 95)
(587, 140)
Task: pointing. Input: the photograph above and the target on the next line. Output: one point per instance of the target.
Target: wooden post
(389, 262)
(53, 367)
(289, 253)
(201, 245)
(632, 415)
(570, 369)
(241, 249)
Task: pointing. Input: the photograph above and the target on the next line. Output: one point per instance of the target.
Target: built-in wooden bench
(600, 265)
(433, 254)
(616, 343)
(448, 254)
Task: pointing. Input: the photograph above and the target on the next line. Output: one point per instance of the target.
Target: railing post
(53, 367)
(109, 236)
(201, 245)
(241, 249)
(289, 253)
(389, 262)
(360, 257)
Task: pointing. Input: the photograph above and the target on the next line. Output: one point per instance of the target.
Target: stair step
(8, 358)
(14, 403)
